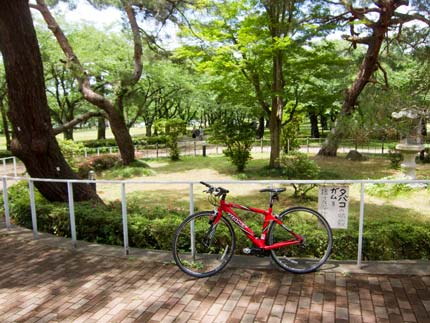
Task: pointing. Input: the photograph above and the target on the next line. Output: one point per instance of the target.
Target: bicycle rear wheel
(202, 249)
(316, 247)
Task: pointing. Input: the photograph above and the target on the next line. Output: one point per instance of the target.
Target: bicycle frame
(260, 242)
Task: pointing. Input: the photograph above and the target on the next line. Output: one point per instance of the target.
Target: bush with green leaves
(135, 169)
(385, 238)
(290, 135)
(172, 128)
(98, 164)
(297, 165)
(388, 190)
(71, 150)
(238, 135)
(161, 140)
(5, 153)
(110, 142)
(395, 158)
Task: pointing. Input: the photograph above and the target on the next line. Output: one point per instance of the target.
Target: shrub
(395, 158)
(172, 128)
(238, 136)
(290, 135)
(297, 165)
(5, 153)
(153, 228)
(97, 164)
(99, 143)
(135, 169)
(71, 150)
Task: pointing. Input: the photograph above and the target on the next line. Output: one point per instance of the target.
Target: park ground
(42, 282)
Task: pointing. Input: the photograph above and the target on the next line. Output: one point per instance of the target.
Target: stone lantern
(411, 143)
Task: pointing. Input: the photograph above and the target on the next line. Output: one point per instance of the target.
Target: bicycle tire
(208, 258)
(316, 248)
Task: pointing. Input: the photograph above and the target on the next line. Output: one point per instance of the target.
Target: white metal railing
(195, 147)
(5, 169)
(191, 184)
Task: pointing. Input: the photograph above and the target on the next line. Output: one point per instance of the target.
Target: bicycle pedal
(255, 251)
(246, 251)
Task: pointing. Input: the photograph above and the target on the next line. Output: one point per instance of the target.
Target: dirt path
(111, 191)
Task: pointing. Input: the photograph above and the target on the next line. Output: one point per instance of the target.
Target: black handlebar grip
(206, 184)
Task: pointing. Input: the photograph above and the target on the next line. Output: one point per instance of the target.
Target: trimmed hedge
(153, 228)
(138, 141)
(5, 153)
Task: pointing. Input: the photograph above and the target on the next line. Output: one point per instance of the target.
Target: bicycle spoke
(315, 247)
(203, 249)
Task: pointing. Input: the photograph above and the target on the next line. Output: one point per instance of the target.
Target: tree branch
(79, 119)
(138, 51)
(72, 60)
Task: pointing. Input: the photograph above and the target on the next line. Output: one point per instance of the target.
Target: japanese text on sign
(333, 205)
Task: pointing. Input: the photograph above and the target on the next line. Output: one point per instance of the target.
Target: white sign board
(333, 203)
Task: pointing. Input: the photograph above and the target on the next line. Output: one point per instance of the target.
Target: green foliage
(5, 153)
(388, 190)
(395, 158)
(98, 164)
(290, 135)
(238, 135)
(172, 128)
(138, 141)
(385, 238)
(297, 165)
(71, 150)
(135, 169)
(99, 143)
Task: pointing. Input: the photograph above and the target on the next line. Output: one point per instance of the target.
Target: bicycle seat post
(273, 196)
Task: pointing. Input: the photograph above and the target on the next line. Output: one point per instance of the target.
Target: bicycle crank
(259, 252)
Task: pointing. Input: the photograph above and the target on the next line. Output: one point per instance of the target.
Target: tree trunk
(148, 129)
(260, 127)
(276, 112)
(5, 124)
(34, 141)
(122, 137)
(323, 121)
(68, 134)
(313, 118)
(101, 128)
(115, 115)
(368, 66)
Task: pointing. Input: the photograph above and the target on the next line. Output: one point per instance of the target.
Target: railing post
(85, 153)
(360, 228)
(4, 166)
(72, 214)
(33, 209)
(193, 243)
(98, 151)
(14, 166)
(6, 203)
(124, 219)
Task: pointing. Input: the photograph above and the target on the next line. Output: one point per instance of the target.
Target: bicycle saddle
(273, 190)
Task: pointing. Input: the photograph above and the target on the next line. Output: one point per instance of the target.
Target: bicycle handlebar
(217, 191)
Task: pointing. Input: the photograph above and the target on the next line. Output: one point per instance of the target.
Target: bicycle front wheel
(202, 248)
(316, 247)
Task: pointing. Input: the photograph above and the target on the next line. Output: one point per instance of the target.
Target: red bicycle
(298, 239)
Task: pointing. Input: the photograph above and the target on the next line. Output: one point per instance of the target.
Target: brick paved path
(46, 284)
